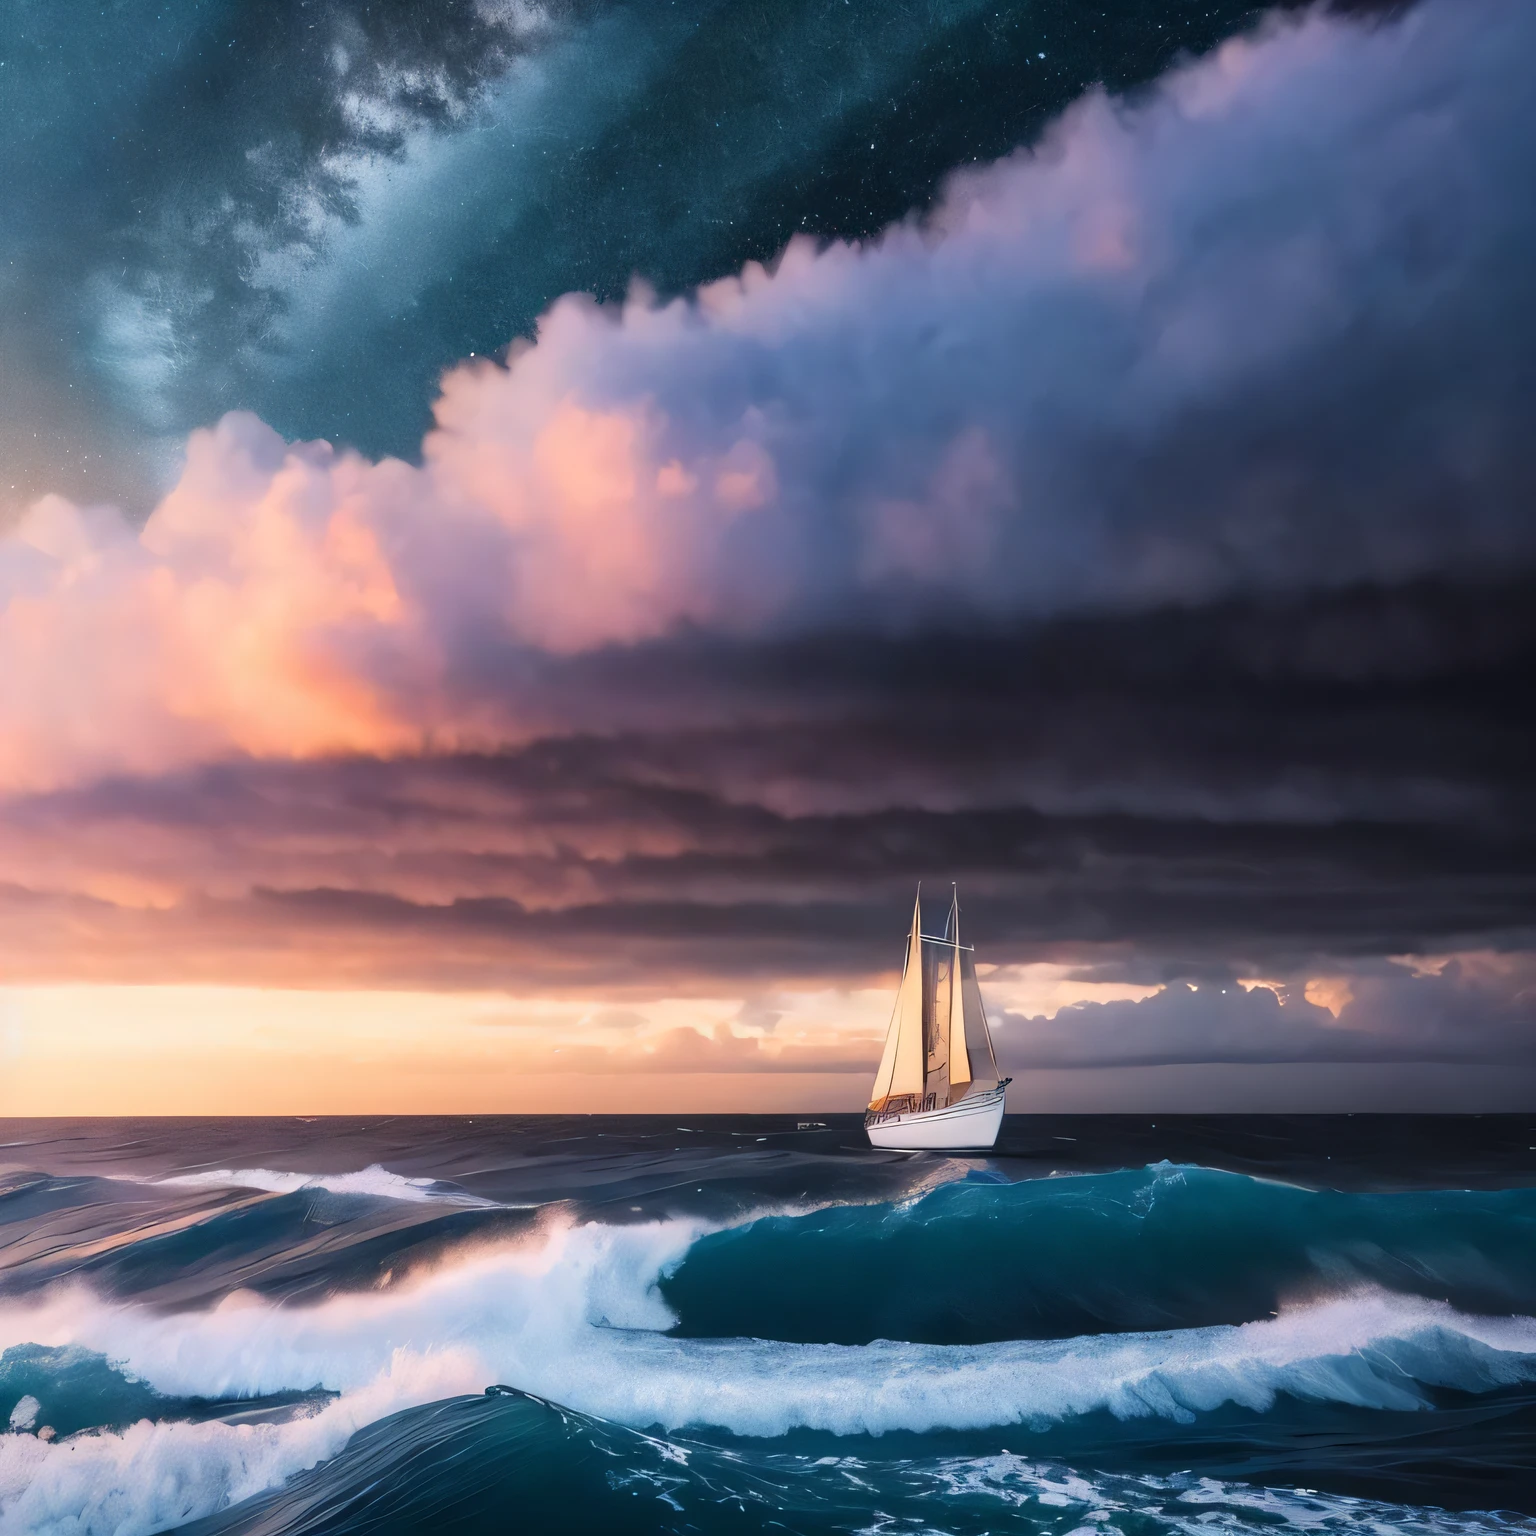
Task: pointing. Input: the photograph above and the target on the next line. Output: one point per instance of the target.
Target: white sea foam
(535, 1303)
(575, 1315)
(154, 1476)
(1171, 1503)
(373, 1180)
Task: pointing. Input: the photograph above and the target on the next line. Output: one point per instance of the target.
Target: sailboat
(937, 1088)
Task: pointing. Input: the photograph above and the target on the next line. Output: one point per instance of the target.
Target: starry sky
(525, 531)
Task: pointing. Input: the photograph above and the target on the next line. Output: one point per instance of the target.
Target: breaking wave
(1162, 1247)
(478, 1463)
(612, 1341)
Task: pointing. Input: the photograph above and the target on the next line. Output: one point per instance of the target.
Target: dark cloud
(1220, 792)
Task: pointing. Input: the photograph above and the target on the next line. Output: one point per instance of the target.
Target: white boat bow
(970, 1124)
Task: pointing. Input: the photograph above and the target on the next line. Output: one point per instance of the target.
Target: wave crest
(578, 1316)
(1163, 1247)
(374, 1180)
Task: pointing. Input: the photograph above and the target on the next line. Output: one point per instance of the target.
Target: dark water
(752, 1323)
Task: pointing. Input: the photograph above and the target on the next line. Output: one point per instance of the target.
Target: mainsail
(938, 1047)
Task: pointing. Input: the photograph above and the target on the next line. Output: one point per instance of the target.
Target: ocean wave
(568, 1471)
(955, 1261)
(463, 1463)
(155, 1475)
(1164, 1247)
(82, 1389)
(566, 1289)
(575, 1314)
(578, 1316)
(374, 1180)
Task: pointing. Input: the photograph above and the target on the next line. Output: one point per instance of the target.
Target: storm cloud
(1225, 792)
(1061, 393)
(1141, 537)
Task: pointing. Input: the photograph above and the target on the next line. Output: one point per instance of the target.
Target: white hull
(973, 1123)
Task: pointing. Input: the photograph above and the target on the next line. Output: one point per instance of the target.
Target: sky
(526, 531)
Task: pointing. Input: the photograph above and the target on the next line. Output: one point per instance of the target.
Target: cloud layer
(1262, 331)
(1142, 538)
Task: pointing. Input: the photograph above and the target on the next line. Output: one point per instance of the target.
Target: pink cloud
(1189, 347)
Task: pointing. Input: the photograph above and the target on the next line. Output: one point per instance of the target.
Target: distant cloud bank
(1472, 1008)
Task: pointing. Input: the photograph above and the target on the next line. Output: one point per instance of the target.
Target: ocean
(756, 1323)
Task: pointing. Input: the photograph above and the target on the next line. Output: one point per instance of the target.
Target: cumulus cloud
(1471, 1008)
(1261, 330)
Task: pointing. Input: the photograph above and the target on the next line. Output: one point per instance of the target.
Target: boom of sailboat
(938, 1086)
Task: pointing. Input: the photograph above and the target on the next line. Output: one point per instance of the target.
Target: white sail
(978, 1038)
(938, 1088)
(887, 1070)
(959, 1046)
(902, 1062)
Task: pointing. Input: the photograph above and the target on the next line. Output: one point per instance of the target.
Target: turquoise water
(742, 1324)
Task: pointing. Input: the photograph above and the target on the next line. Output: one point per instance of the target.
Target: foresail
(887, 1058)
(901, 1063)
